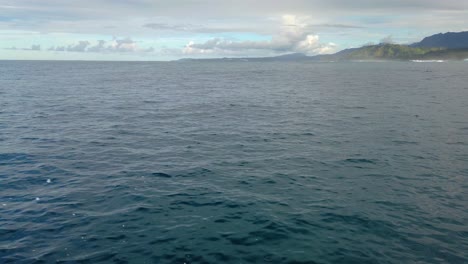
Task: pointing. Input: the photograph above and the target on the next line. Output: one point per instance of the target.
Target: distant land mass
(448, 40)
(443, 46)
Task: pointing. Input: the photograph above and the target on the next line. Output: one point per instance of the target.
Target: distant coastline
(440, 47)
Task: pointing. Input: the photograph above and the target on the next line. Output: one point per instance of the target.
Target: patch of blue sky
(52, 55)
(6, 18)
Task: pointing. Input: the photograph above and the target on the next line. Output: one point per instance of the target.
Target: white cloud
(102, 46)
(80, 47)
(292, 36)
(123, 45)
(99, 47)
(312, 45)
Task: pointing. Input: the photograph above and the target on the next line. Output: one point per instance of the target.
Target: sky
(158, 30)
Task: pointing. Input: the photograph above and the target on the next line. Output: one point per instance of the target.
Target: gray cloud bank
(52, 9)
(193, 28)
(204, 16)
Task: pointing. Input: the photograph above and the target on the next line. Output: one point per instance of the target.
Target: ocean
(233, 162)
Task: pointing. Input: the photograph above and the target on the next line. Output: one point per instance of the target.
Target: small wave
(355, 107)
(458, 143)
(199, 204)
(360, 161)
(14, 158)
(160, 174)
(404, 142)
(196, 173)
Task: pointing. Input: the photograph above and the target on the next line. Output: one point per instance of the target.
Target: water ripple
(233, 163)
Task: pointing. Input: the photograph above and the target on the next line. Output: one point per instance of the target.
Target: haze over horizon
(167, 30)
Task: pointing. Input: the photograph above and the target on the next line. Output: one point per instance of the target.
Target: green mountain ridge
(398, 52)
(448, 46)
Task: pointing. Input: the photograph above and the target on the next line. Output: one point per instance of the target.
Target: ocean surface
(233, 162)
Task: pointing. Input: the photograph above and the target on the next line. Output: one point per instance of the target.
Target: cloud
(123, 45)
(342, 26)
(115, 46)
(59, 48)
(80, 47)
(32, 48)
(98, 16)
(174, 27)
(387, 40)
(91, 9)
(36, 47)
(293, 36)
(99, 47)
(191, 28)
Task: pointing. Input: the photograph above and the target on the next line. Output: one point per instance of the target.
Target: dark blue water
(233, 162)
